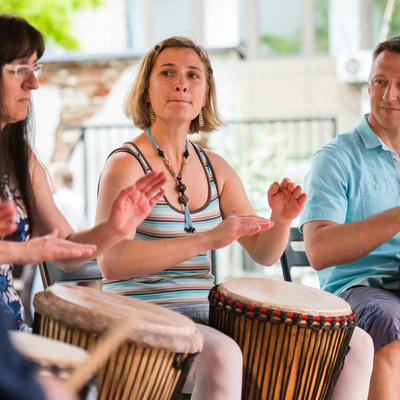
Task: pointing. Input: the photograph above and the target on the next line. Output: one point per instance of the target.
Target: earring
(201, 119)
(151, 114)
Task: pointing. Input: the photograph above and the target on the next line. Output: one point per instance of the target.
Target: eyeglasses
(23, 71)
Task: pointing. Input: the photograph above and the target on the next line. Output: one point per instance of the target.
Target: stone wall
(83, 87)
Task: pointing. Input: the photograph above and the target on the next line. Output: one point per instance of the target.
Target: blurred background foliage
(52, 18)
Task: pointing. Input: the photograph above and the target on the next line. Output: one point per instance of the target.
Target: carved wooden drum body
(151, 364)
(294, 338)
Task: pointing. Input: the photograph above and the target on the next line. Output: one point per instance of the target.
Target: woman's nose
(32, 81)
(181, 85)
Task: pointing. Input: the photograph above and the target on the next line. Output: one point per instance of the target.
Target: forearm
(268, 246)
(328, 244)
(131, 258)
(14, 252)
(100, 235)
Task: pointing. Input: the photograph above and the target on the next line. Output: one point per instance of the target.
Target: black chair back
(52, 274)
(294, 254)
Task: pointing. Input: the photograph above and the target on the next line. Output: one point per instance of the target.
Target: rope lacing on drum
(325, 323)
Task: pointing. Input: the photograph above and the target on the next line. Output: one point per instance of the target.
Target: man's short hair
(392, 45)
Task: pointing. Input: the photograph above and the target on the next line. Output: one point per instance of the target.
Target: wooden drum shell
(286, 355)
(141, 368)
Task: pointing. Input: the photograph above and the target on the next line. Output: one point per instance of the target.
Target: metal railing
(274, 144)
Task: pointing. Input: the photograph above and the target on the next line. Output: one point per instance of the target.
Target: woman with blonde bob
(164, 260)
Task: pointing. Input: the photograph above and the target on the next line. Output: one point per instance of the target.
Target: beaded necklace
(181, 187)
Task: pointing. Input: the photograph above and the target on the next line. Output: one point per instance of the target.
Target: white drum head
(284, 296)
(48, 352)
(95, 311)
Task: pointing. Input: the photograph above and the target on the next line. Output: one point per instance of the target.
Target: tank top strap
(131, 148)
(207, 166)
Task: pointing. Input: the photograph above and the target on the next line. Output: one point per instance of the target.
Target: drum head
(95, 311)
(48, 352)
(284, 296)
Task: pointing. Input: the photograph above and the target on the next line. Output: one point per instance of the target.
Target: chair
(294, 254)
(51, 274)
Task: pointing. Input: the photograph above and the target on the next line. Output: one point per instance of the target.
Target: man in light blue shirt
(351, 220)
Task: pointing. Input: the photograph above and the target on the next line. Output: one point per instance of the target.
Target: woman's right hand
(234, 227)
(50, 247)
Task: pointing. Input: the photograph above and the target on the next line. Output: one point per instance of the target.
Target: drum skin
(151, 364)
(294, 338)
(49, 355)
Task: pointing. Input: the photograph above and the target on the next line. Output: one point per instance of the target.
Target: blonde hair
(137, 109)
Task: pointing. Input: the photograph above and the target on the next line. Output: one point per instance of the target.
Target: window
(280, 27)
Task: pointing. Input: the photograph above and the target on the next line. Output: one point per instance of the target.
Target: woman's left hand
(286, 199)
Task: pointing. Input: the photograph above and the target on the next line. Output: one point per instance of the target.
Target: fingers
(60, 248)
(151, 183)
(286, 184)
(252, 223)
(49, 247)
(302, 199)
(273, 189)
(156, 197)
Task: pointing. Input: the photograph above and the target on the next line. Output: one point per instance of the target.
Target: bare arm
(285, 199)
(132, 257)
(35, 250)
(328, 243)
(131, 206)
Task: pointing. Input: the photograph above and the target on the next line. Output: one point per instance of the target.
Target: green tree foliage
(51, 17)
(279, 45)
(378, 10)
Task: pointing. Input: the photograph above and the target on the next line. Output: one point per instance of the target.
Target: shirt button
(376, 187)
(319, 214)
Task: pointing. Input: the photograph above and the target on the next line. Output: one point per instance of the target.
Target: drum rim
(303, 299)
(77, 355)
(180, 337)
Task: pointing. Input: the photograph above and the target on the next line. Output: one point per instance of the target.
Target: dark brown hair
(18, 39)
(392, 45)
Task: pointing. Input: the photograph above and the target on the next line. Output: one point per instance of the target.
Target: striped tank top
(189, 282)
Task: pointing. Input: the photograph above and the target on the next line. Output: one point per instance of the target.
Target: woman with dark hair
(23, 179)
(205, 207)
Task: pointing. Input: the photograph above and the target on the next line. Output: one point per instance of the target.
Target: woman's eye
(166, 73)
(193, 75)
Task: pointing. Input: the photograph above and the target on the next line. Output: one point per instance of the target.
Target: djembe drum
(50, 357)
(294, 338)
(151, 364)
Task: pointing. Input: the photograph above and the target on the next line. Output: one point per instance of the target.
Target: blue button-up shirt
(352, 178)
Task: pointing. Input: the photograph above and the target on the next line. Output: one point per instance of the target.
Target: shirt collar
(368, 136)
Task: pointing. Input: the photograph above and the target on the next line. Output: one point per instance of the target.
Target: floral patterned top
(11, 303)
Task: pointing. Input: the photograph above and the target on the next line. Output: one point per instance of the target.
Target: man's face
(384, 91)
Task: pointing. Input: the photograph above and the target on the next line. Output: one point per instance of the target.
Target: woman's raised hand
(135, 202)
(236, 226)
(286, 199)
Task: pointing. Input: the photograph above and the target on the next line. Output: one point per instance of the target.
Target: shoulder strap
(132, 149)
(207, 164)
